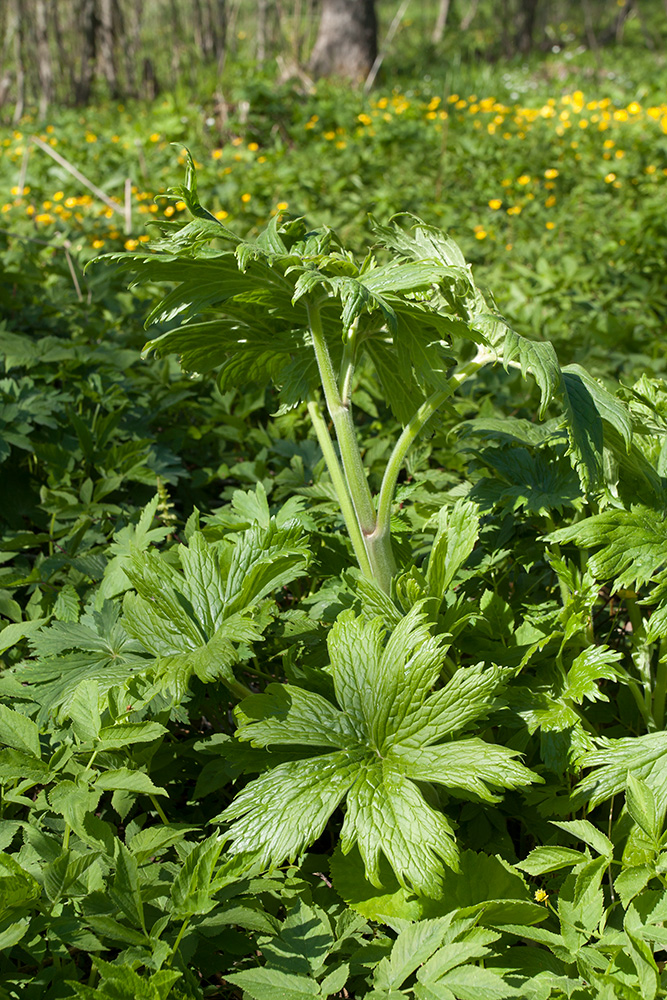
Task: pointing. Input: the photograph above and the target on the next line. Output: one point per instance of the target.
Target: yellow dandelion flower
(523, 180)
(144, 238)
(495, 204)
(245, 198)
(549, 225)
(550, 202)
(541, 896)
(154, 137)
(481, 234)
(253, 147)
(609, 178)
(221, 214)
(180, 206)
(131, 244)
(282, 206)
(216, 154)
(550, 173)
(98, 244)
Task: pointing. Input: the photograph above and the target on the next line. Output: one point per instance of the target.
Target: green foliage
(233, 763)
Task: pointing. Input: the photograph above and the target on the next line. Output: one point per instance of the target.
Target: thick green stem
(341, 416)
(340, 486)
(377, 545)
(412, 430)
(238, 689)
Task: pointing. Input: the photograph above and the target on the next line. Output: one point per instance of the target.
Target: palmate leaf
(643, 757)
(372, 748)
(204, 620)
(631, 545)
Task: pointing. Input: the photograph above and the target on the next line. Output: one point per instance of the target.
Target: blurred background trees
(71, 51)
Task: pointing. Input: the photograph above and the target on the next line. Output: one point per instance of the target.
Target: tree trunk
(107, 46)
(346, 43)
(44, 67)
(527, 12)
(440, 22)
(87, 19)
(19, 68)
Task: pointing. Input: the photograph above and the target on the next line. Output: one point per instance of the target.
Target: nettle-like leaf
(97, 648)
(387, 734)
(203, 621)
(642, 757)
(242, 306)
(630, 545)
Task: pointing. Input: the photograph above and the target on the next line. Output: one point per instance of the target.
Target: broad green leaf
(469, 767)
(584, 831)
(612, 410)
(125, 891)
(648, 972)
(153, 841)
(412, 948)
(124, 734)
(593, 664)
(204, 621)
(288, 715)
(18, 888)
(457, 533)
(630, 882)
(19, 732)
(584, 427)
(18, 766)
(550, 859)
(286, 809)
(537, 359)
(303, 941)
(385, 722)
(645, 757)
(271, 984)
(123, 779)
(387, 813)
(631, 545)
(641, 805)
(133, 537)
(84, 711)
(193, 891)
(383, 904)
(11, 634)
(471, 983)
(11, 932)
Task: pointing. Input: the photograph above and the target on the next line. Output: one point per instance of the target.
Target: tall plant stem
(410, 433)
(340, 486)
(341, 415)
(377, 546)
